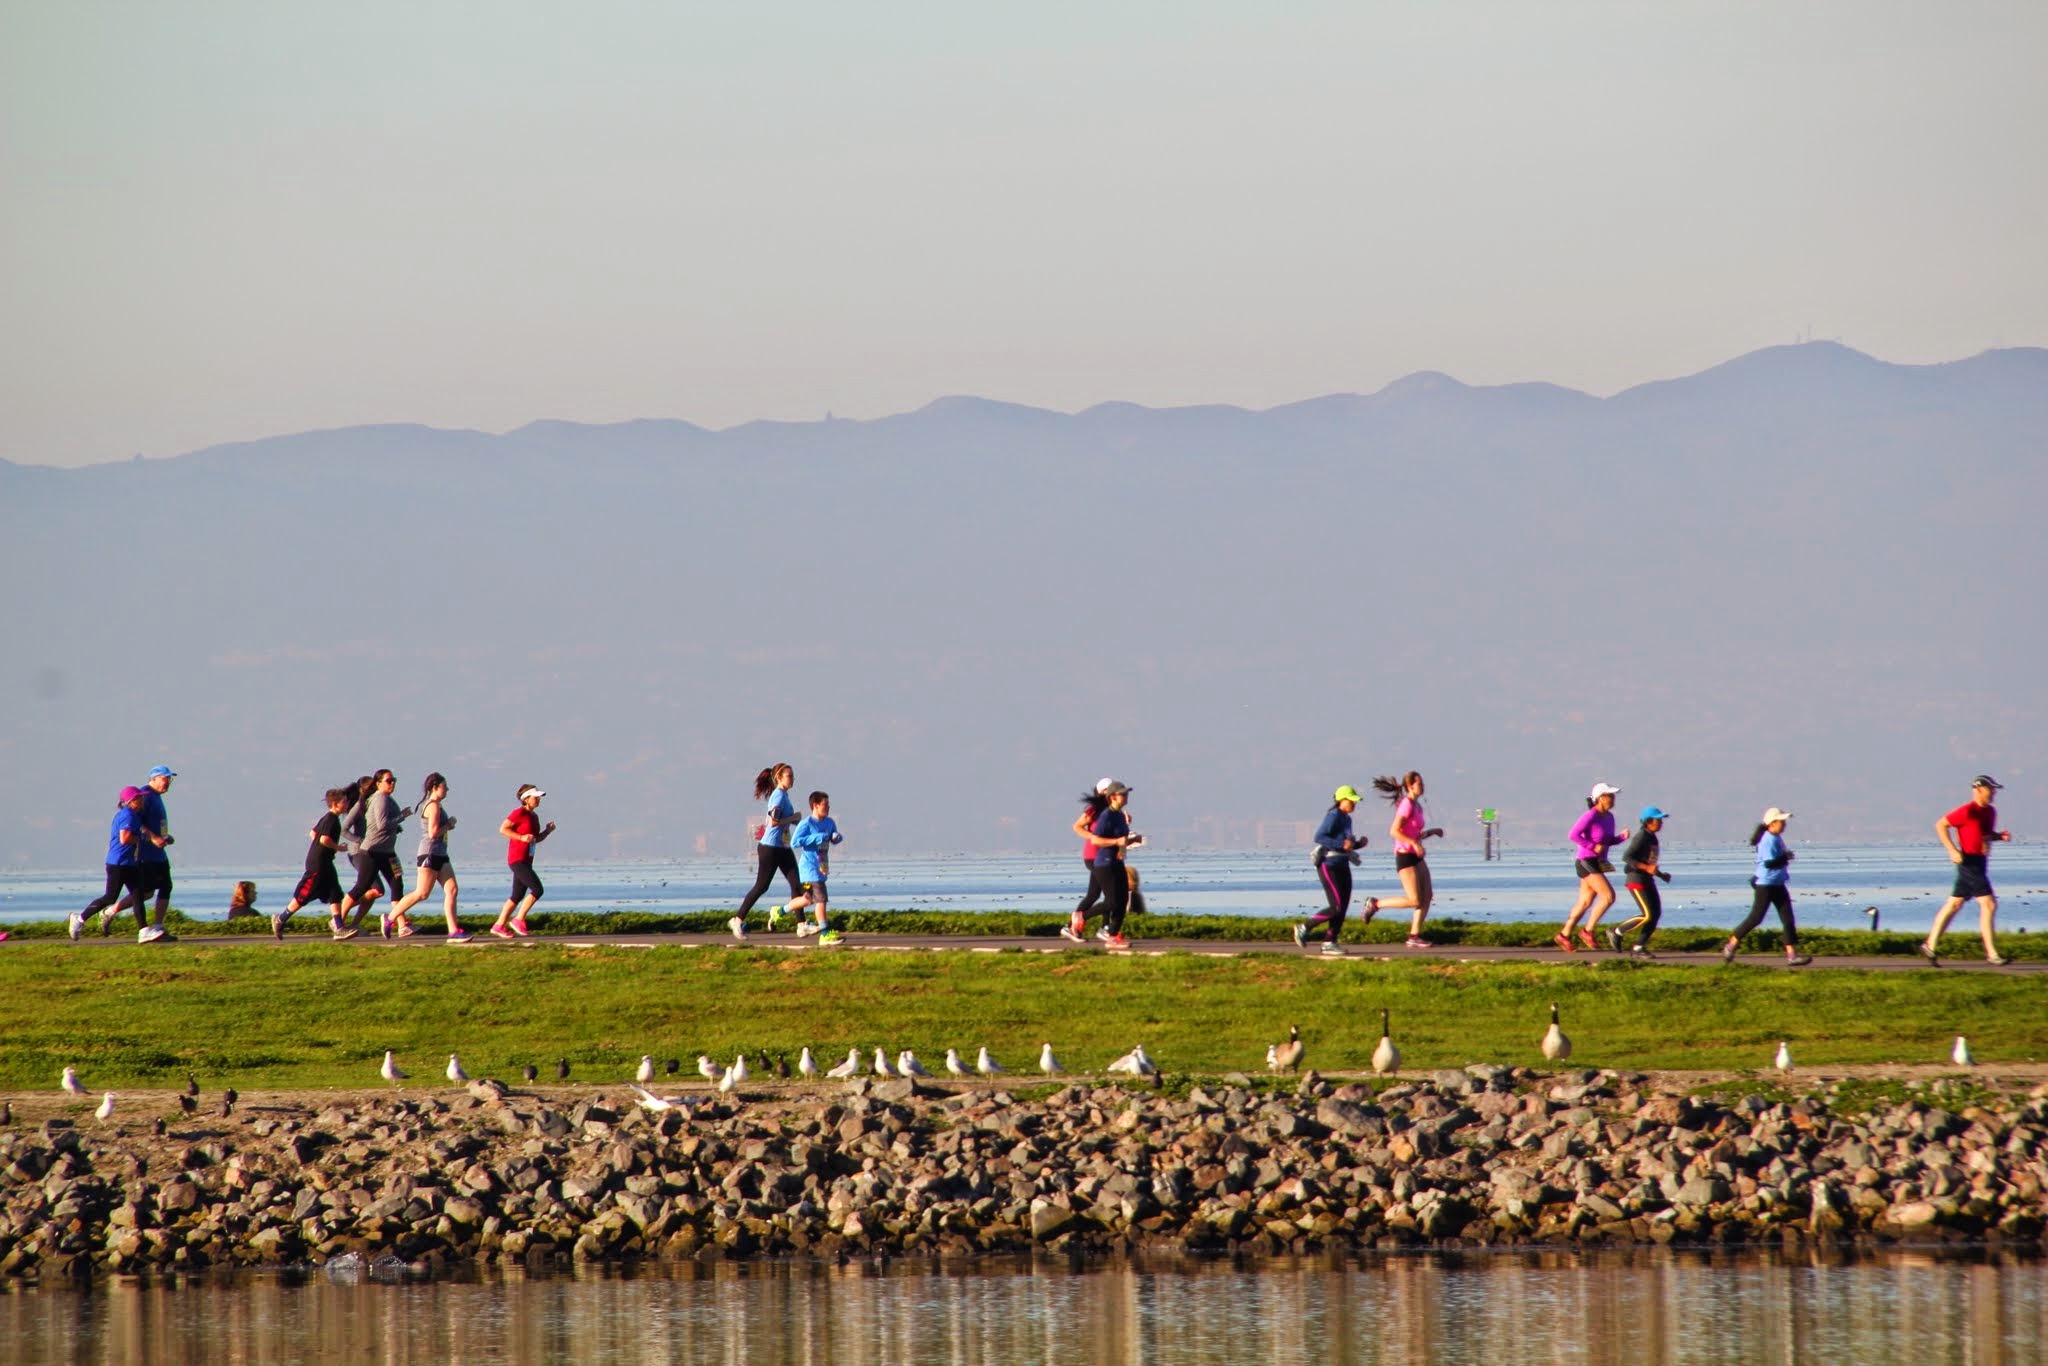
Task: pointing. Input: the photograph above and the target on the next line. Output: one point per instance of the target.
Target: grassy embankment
(320, 1015)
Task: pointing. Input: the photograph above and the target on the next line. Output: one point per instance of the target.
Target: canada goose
(909, 1066)
(986, 1065)
(455, 1072)
(849, 1068)
(70, 1082)
(1960, 1055)
(389, 1071)
(1386, 1058)
(1047, 1063)
(1287, 1056)
(1556, 1046)
(954, 1066)
(645, 1073)
(1783, 1062)
(161, 1127)
(883, 1067)
(1872, 912)
(806, 1064)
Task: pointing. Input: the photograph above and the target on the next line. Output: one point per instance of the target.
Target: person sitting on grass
(242, 901)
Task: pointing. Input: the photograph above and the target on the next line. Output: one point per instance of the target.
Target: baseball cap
(1114, 788)
(1102, 785)
(1604, 790)
(1654, 813)
(1986, 780)
(128, 794)
(1347, 793)
(1774, 814)
(162, 771)
(529, 790)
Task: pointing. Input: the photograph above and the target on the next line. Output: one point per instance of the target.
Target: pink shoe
(1416, 941)
(1563, 939)
(405, 932)
(519, 927)
(501, 932)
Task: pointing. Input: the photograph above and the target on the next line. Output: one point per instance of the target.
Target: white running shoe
(149, 934)
(805, 928)
(1067, 932)
(106, 920)
(1333, 950)
(1103, 934)
(738, 927)
(74, 924)
(1300, 934)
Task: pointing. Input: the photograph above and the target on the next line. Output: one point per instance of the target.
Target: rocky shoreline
(1483, 1156)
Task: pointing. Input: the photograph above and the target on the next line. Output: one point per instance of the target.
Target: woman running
(1092, 807)
(1592, 836)
(1410, 827)
(435, 823)
(773, 855)
(1112, 832)
(1773, 884)
(1335, 850)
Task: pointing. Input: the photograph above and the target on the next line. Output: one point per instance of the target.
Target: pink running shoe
(501, 932)
(519, 927)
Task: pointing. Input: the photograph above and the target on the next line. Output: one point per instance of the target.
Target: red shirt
(523, 822)
(1976, 827)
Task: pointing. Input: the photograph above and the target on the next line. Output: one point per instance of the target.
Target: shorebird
(708, 1069)
(806, 1064)
(849, 1068)
(1386, 1058)
(1287, 1056)
(70, 1082)
(1135, 1062)
(106, 1110)
(389, 1071)
(954, 1066)
(987, 1066)
(455, 1072)
(1556, 1046)
(1783, 1062)
(646, 1072)
(1960, 1054)
(909, 1066)
(1047, 1063)
(882, 1067)
(734, 1075)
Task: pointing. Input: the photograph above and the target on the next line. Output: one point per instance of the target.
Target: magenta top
(1593, 833)
(1409, 819)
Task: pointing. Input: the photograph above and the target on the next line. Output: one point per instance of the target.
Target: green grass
(318, 1015)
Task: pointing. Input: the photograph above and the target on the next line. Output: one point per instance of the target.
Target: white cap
(529, 790)
(1774, 815)
(1605, 790)
(1102, 785)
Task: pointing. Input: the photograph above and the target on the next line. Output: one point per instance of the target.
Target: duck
(1386, 1058)
(1556, 1046)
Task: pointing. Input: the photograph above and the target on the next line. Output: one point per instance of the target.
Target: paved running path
(1972, 960)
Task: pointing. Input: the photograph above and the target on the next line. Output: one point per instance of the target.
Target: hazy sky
(225, 220)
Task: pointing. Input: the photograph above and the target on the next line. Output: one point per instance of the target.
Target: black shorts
(1973, 878)
(1404, 859)
(1589, 866)
(152, 879)
(525, 882)
(433, 862)
(318, 888)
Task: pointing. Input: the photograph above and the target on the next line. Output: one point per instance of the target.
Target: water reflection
(1641, 1306)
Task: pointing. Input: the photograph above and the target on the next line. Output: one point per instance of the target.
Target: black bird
(188, 1105)
(672, 1066)
(6, 1112)
(161, 1126)
(562, 1068)
(191, 1085)
(781, 1067)
(227, 1107)
(231, 1095)
(531, 1073)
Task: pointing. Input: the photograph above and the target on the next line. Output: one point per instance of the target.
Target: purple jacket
(1593, 833)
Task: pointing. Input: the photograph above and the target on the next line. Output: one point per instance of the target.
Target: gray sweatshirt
(381, 819)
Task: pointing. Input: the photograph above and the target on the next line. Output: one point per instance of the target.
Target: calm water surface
(1644, 1306)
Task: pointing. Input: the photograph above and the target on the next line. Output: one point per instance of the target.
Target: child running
(773, 854)
(321, 883)
(124, 842)
(435, 823)
(523, 830)
(1334, 853)
(1772, 881)
(1592, 836)
(1967, 833)
(1093, 804)
(1639, 865)
(813, 838)
(1409, 829)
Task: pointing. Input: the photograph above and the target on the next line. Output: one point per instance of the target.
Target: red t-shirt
(523, 822)
(1976, 827)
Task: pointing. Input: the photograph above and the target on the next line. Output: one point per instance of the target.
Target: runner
(1411, 862)
(1112, 834)
(813, 837)
(1967, 833)
(124, 845)
(432, 858)
(1334, 853)
(523, 828)
(1592, 836)
(152, 863)
(1093, 804)
(773, 854)
(320, 883)
(1773, 883)
(383, 818)
(1639, 865)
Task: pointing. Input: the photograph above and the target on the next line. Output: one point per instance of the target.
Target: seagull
(1556, 1046)
(1047, 1063)
(1134, 1062)
(1386, 1058)
(531, 1073)
(807, 1064)
(953, 1064)
(72, 1084)
(191, 1085)
(1287, 1056)
(708, 1069)
(1960, 1056)
(646, 1072)
(1272, 1057)
(106, 1110)
(1783, 1062)
(657, 1104)
(734, 1075)
(389, 1071)
(909, 1066)
(849, 1068)
(882, 1067)
(455, 1072)
(561, 1069)
(987, 1066)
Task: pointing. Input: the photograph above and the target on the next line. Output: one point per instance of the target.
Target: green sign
(1487, 814)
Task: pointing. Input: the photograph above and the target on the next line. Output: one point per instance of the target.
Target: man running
(1967, 833)
(152, 862)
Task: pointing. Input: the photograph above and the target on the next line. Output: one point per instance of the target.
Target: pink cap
(128, 794)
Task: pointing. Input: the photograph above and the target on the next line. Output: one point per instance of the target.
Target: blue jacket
(1331, 834)
(812, 835)
(1771, 860)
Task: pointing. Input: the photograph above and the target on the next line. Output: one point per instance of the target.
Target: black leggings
(121, 877)
(1093, 897)
(1113, 886)
(1769, 894)
(773, 858)
(371, 867)
(1650, 909)
(1335, 874)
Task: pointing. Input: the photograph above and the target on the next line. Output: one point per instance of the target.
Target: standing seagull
(954, 1066)
(1783, 1062)
(1386, 1058)
(106, 1110)
(389, 1071)
(646, 1072)
(72, 1084)
(909, 1066)
(455, 1072)
(882, 1067)
(849, 1068)
(1047, 1063)
(987, 1066)
(1960, 1055)
(708, 1069)
(1556, 1046)
(806, 1064)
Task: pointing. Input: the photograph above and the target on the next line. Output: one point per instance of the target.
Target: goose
(954, 1066)
(1783, 1062)
(1386, 1058)
(71, 1083)
(708, 1069)
(1287, 1056)
(909, 1066)
(1960, 1055)
(734, 1075)
(455, 1072)
(646, 1072)
(849, 1068)
(1556, 1046)
(882, 1066)
(106, 1110)
(986, 1065)
(1871, 911)
(806, 1064)
(531, 1073)
(227, 1107)
(389, 1071)
(1047, 1063)
(1135, 1062)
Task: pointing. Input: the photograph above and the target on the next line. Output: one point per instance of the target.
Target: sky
(230, 220)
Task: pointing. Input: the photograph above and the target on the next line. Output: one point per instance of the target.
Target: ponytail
(1756, 835)
(1394, 789)
(1095, 802)
(433, 781)
(764, 781)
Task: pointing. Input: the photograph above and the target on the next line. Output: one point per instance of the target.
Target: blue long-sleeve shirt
(812, 835)
(1335, 829)
(1771, 860)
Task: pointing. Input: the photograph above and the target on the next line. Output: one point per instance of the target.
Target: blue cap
(1654, 813)
(162, 771)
